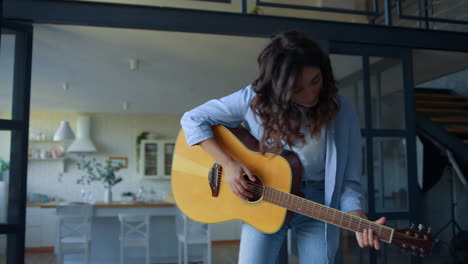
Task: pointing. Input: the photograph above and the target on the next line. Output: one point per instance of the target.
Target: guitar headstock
(415, 241)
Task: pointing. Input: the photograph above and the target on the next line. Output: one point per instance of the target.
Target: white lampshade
(64, 132)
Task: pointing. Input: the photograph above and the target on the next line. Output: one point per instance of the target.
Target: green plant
(96, 171)
(127, 194)
(139, 138)
(257, 11)
(3, 167)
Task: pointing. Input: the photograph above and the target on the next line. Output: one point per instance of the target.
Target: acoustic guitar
(201, 192)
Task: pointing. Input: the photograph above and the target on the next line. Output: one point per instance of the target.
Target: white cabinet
(156, 158)
(40, 227)
(33, 227)
(48, 227)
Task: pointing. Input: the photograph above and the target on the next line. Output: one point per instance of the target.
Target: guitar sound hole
(257, 191)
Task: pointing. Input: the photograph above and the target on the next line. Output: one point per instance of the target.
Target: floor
(222, 254)
(227, 254)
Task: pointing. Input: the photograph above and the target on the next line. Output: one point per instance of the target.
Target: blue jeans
(260, 248)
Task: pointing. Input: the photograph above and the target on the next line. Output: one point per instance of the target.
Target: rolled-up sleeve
(351, 188)
(228, 111)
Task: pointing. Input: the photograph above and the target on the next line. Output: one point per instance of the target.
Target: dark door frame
(14, 228)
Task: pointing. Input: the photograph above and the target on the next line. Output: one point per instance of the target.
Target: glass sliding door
(378, 81)
(15, 76)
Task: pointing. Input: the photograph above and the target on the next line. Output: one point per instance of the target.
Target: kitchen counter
(105, 229)
(116, 204)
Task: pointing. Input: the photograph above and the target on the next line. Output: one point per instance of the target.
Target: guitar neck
(325, 213)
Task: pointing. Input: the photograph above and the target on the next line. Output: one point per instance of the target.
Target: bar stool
(73, 230)
(189, 233)
(134, 232)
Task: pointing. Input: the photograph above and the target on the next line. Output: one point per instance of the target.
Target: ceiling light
(64, 132)
(133, 64)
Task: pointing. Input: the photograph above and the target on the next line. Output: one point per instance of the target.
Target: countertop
(116, 204)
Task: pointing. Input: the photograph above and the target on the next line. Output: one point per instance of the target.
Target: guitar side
(192, 191)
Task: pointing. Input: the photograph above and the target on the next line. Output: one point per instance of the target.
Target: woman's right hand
(233, 169)
(235, 172)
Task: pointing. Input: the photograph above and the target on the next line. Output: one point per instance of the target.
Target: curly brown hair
(279, 66)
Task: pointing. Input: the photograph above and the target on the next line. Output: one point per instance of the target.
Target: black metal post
(388, 13)
(19, 146)
(243, 6)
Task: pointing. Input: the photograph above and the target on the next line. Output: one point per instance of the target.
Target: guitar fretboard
(325, 213)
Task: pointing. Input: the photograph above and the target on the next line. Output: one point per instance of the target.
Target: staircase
(442, 116)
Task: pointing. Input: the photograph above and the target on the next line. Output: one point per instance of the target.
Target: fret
(319, 211)
(349, 221)
(341, 221)
(309, 208)
(333, 217)
(359, 225)
(299, 204)
(380, 230)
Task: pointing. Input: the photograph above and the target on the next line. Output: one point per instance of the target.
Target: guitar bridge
(214, 178)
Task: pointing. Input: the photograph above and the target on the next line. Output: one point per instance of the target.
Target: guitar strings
(258, 189)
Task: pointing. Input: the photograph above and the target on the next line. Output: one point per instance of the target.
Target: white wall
(113, 135)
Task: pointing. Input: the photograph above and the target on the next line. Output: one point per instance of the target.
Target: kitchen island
(105, 231)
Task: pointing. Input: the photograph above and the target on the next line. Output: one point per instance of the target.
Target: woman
(293, 104)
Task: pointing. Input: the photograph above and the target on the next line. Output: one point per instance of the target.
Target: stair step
(441, 111)
(450, 120)
(441, 96)
(457, 129)
(433, 90)
(441, 103)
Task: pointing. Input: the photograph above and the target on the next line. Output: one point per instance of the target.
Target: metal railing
(423, 14)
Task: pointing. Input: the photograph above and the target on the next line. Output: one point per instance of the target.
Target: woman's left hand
(367, 238)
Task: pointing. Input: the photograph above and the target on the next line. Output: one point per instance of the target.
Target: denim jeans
(257, 247)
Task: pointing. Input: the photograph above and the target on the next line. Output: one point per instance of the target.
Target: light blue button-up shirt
(343, 147)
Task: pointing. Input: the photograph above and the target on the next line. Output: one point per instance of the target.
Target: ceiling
(176, 71)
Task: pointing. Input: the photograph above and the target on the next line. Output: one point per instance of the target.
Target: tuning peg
(429, 230)
(404, 246)
(420, 227)
(412, 226)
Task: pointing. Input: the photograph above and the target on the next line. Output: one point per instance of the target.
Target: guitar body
(194, 196)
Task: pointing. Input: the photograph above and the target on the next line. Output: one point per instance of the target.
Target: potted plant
(139, 138)
(97, 171)
(128, 196)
